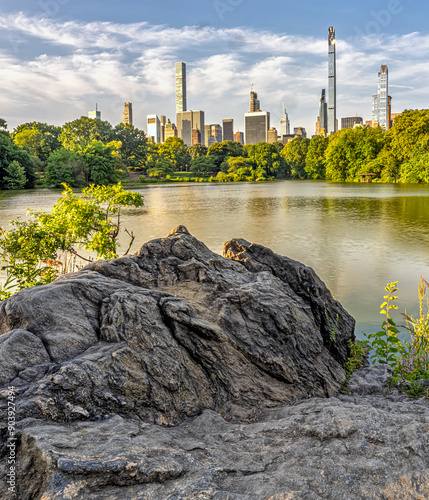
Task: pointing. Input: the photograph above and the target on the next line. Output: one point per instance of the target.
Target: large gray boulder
(178, 374)
(171, 331)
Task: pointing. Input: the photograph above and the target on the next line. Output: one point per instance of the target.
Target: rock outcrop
(171, 331)
(175, 373)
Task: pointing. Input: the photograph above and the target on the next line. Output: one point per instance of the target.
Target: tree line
(87, 151)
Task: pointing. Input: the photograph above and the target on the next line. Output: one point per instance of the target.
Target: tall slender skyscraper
(284, 123)
(180, 87)
(332, 69)
(127, 115)
(322, 120)
(380, 101)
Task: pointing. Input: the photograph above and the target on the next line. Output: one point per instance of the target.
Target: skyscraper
(256, 122)
(322, 120)
(95, 114)
(284, 123)
(127, 115)
(180, 87)
(332, 77)
(212, 134)
(228, 130)
(153, 128)
(187, 122)
(380, 101)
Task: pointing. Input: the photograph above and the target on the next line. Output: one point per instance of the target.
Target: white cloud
(80, 64)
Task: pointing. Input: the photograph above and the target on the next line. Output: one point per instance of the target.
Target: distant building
(351, 121)
(239, 137)
(180, 69)
(380, 101)
(322, 119)
(368, 123)
(95, 115)
(154, 128)
(287, 138)
(170, 130)
(284, 122)
(163, 121)
(255, 105)
(256, 122)
(196, 136)
(332, 79)
(228, 129)
(212, 134)
(300, 132)
(127, 115)
(272, 135)
(187, 122)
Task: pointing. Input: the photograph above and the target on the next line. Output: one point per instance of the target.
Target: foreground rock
(171, 331)
(178, 374)
(354, 447)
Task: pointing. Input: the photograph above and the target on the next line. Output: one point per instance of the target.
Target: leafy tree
(83, 131)
(175, 150)
(350, 152)
(162, 168)
(295, 155)
(3, 126)
(36, 251)
(416, 169)
(101, 162)
(203, 165)
(221, 151)
(134, 146)
(268, 158)
(197, 150)
(64, 166)
(15, 177)
(40, 138)
(315, 158)
(9, 152)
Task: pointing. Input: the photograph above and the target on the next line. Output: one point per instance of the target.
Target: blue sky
(59, 57)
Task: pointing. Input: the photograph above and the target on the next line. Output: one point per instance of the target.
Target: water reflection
(357, 237)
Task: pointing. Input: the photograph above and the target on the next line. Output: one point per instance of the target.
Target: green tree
(175, 150)
(101, 162)
(203, 165)
(267, 158)
(15, 177)
(315, 158)
(295, 155)
(65, 166)
(9, 152)
(197, 150)
(221, 151)
(37, 250)
(83, 131)
(351, 151)
(162, 168)
(40, 138)
(134, 146)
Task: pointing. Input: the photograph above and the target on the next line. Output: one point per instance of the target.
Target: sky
(58, 58)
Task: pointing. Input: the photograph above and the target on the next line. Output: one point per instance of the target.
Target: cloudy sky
(60, 57)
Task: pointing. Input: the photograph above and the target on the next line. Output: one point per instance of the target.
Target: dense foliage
(88, 151)
(37, 250)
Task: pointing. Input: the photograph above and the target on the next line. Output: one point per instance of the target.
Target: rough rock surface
(175, 373)
(171, 331)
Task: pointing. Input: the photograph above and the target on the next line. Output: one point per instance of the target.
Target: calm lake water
(357, 237)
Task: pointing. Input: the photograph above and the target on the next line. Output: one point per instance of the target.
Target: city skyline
(56, 65)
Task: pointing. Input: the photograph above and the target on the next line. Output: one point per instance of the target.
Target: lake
(357, 237)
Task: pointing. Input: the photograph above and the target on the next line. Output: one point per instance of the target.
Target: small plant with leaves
(385, 343)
